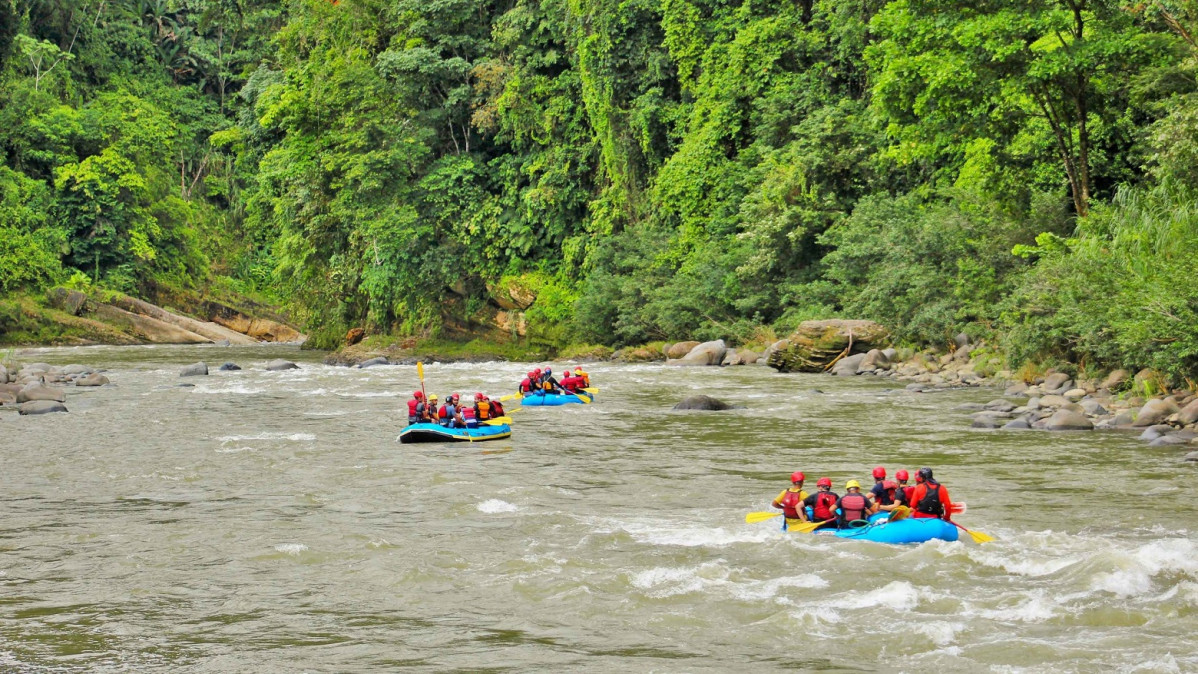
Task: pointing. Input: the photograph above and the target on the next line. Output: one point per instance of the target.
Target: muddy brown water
(269, 521)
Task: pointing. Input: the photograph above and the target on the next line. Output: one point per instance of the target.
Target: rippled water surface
(269, 521)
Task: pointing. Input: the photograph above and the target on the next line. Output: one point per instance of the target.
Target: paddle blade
(514, 396)
(807, 527)
(754, 518)
(899, 513)
(958, 508)
(498, 421)
(420, 370)
(979, 537)
(593, 389)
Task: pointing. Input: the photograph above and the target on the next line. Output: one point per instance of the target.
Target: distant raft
(910, 530)
(555, 399)
(439, 433)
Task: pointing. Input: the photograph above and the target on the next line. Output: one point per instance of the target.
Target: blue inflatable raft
(910, 530)
(439, 433)
(553, 400)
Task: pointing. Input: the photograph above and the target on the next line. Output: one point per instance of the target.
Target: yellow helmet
(851, 484)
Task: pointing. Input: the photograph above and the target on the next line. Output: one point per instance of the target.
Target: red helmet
(797, 476)
(418, 395)
(824, 482)
(479, 396)
(879, 473)
(901, 475)
(531, 375)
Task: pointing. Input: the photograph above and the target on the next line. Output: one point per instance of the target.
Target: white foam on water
(1165, 664)
(1037, 608)
(768, 589)
(940, 632)
(656, 533)
(898, 595)
(1020, 561)
(663, 582)
(373, 394)
(1139, 567)
(291, 548)
(235, 450)
(494, 505)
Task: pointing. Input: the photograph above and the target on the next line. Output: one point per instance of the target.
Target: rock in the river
(1053, 401)
(194, 369)
(772, 349)
(1123, 418)
(1169, 441)
(847, 367)
(229, 367)
(1154, 432)
(38, 391)
(1000, 405)
(380, 360)
(93, 379)
(1154, 411)
(1189, 413)
(76, 369)
(1020, 424)
(280, 364)
(678, 349)
(41, 407)
(1057, 382)
(707, 353)
(1093, 408)
(1016, 389)
(702, 402)
(1068, 420)
(3, 375)
(1192, 456)
(989, 420)
(1075, 394)
(7, 398)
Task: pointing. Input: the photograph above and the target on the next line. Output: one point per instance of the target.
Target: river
(269, 521)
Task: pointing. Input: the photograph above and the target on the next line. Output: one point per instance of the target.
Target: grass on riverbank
(26, 321)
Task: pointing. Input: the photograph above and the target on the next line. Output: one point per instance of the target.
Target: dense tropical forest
(645, 169)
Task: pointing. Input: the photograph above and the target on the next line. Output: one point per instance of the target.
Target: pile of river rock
(38, 388)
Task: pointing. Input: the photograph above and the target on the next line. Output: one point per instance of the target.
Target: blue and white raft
(439, 433)
(555, 399)
(909, 530)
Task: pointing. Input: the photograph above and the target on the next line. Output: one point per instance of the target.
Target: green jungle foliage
(621, 171)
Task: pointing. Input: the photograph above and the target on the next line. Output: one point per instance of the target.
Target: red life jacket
(824, 502)
(930, 503)
(907, 492)
(526, 385)
(853, 507)
(443, 413)
(467, 412)
(791, 503)
(412, 407)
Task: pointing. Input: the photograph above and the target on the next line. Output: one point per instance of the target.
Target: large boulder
(3, 375)
(7, 398)
(41, 407)
(39, 391)
(1016, 389)
(1153, 432)
(70, 301)
(875, 359)
(1053, 401)
(76, 369)
(815, 344)
(989, 420)
(195, 369)
(678, 349)
(703, 403)
(1154, 412)
(1189, 413)
(638, 355)
(1057, 382)
(847, 367)
(1093, 408)
(1068, 420)
(93, 379)
(773, 348)
(378, 360)
(1114, 380)
(1020, 424)
(707, 353)
(1000, 405)
(280, 364)
(229, 367)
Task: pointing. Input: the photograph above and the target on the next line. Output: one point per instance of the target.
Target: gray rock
(702, 402)
(874, 359)
(1153, 412)
(76, 369)
(962, 353)
(1168, 441)
(41, 407)
(1189, 413)
(730, 358)
(94, 379)
(3, 375)
(847, 367)
(1000, 405)
(1075, 394)
(707, 353)
(1154, 432)
(970, 407)
(1123, 418)
(1020, 424)
(7, 398)
(37, 391)
(917, 388)
(748, 357)
(1057, 382)
(1016, 389)
(1192, 456)
(1068, 420)
(280, 364)
(961, 339)
(70, 301)
(776, 346)
(223, 342)
(380, 360)
(988, 420)
(1093, 407)
(1114, 380)
(229, 367)
(1033, 403)
(890, 353)
(194, 369)
(1053, 401)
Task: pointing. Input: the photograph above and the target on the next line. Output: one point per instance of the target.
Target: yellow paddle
(592, 389)
(420, 373)
(514, 396)
(977, 536)
(806, 527)
(899, 513)
(498, 421)
(754, 518)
